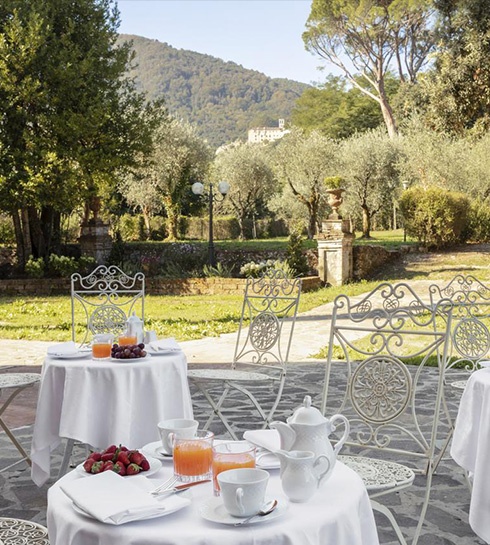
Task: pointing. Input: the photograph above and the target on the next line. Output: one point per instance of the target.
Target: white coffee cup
(184, 428)
(243, 490)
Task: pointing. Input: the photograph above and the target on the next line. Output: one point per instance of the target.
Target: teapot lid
(306, 414)
(133, 319)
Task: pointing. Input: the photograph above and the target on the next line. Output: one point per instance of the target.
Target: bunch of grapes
(129, 351)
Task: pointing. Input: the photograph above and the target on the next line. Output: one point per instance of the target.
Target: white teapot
(135, 327)
(302, 473)
(308, 429)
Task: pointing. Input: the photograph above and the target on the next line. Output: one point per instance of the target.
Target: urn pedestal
(335, 263)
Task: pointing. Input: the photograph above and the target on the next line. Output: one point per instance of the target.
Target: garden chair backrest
(107, 297)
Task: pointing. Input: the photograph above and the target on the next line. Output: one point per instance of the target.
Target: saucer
(155, 449)
(70, 356)
(214, 511)
(267, 460)
(155, 465)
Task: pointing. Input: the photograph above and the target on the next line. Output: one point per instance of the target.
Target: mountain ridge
(220, 98)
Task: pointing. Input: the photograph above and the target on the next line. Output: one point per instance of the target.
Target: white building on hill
(260, 134)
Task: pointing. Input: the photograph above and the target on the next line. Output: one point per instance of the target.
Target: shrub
(61, 266)
(255, 270)
(7, 233)
(435, 217)
(295, 258)
(478, 229)
(220, 271)
(35, 267)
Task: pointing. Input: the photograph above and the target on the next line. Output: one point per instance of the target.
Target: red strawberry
(97, 467)
(87, 465)
(123, 457)
(108, 466)
(119, 468)
(107, 456)
(124, 448)
(96, 456)
(133, 469)
(112, 448)
(145, 465)
(136, 457)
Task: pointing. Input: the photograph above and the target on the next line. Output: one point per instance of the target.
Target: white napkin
(113, 499)
(267, 439)
(165, 345)
(63, 349)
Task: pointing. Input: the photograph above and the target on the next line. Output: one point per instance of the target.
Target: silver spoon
(265, 510)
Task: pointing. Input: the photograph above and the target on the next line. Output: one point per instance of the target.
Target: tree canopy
(370, 39)
(68, 115)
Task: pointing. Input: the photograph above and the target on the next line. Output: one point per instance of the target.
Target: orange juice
(101, 351)
(224, 461)
(193, 457)
(127, 339)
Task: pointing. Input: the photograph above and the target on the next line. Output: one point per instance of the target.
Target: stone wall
(154, 286)
(369, 258)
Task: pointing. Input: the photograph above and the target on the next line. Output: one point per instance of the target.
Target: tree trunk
(26, 233)
(241, 225)
(366, 222)
(173, 219)
(146, 219)
(37, 235)
(387, 112)
(19, 239)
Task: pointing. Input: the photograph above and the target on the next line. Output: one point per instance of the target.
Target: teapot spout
(286, 434)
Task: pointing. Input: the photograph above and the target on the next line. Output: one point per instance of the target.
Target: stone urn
(335, 199)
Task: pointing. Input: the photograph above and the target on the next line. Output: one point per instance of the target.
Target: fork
(169, 483)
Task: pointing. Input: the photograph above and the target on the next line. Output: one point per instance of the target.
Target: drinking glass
(231, 455)
(127, 339)
(193, 457)
(101, 346)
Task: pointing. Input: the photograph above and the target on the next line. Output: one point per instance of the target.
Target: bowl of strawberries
(121, 460)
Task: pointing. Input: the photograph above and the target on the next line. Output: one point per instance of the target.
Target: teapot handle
(343, 439)
(320, 477)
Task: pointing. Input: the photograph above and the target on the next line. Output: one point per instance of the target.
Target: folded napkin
(63, 349)
(267, 439)
(113, 499)
(165, 345)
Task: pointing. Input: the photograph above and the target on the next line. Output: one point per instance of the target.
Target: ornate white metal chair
(107, 297)
(12, 384)
(379, 394)
(18, 532)
(270, 306)
(470, 335)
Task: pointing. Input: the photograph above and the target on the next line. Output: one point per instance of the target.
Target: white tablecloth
(471, 447)
(105, 402)
(338, 514)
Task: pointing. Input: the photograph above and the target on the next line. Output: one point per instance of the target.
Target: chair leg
(17, 445)
(217, 410)
(65, 463)
(389, 515)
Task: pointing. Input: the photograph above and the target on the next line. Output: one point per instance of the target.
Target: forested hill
(222, 99)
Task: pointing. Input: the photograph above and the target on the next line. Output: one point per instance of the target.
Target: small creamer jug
(302, 473)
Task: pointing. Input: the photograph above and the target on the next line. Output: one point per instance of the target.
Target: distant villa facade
(260, 134)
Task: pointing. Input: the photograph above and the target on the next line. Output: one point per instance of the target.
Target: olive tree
(247, 168)
(302, 161)
(162, 179)
(368, 166)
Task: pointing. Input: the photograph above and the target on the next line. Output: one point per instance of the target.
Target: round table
(471, 445)
(338, 514)
(103, 402)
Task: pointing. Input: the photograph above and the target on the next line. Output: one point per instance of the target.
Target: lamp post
(223, 189)
(405, 185)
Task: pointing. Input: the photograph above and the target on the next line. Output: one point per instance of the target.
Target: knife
(180, 487)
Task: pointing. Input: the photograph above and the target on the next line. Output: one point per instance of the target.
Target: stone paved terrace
(447, 517)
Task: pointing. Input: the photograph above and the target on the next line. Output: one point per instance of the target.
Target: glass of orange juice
(231, 455)
(193, 457)
(101, 346)
(127, 339)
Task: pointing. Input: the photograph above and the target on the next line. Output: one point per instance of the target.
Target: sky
(263, 35)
